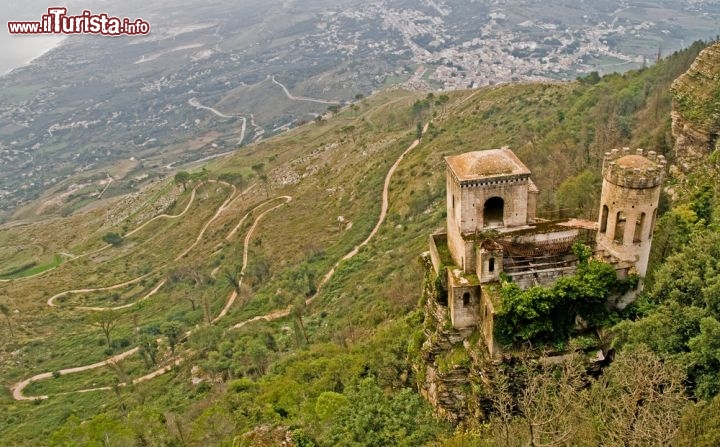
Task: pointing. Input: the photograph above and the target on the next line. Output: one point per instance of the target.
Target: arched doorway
(493, 212)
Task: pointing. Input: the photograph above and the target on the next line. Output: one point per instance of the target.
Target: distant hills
(101, 108)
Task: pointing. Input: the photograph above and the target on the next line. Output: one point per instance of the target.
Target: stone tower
(488, 189)
(628, 204)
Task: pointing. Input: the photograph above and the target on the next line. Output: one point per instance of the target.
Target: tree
(106, 321)
(442, 100)
(548, 314)
(705, 356)
(234, 178)
(201, 176)
(148, 348)
(6, 311)
(232, 275)
(264, 179)
(172, 330)
(329, 403)
(99, 431)
(537, 404)
(349, 130)
(373, 418)
(113, 239)
(298, 309)
(700, 425)
(182, 177)
(206, 307)
(639, 398)
(149, 426)
(579, 193)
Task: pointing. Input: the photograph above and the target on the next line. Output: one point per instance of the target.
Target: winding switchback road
(17, 388)
(195, 103)
(301, 98)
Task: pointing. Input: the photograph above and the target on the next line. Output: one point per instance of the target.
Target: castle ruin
(492, 229)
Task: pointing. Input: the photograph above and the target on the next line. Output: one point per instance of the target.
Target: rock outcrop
(696, 109)
(450, 370)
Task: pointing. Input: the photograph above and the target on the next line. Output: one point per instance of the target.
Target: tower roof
(635, 161)
(485, 164)
(642, 169)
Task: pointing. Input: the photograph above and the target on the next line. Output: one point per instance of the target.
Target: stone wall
(483, 258)
(463, 300)
(433, 253)
(546, 277)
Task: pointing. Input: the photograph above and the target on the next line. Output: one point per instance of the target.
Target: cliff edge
(696, 109)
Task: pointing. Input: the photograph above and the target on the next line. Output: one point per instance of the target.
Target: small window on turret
(466, 299)
(491, 265)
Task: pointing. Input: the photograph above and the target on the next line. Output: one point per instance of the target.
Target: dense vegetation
(336, 372)
(548, 314)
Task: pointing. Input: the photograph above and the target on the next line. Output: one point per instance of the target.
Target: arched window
(466, 299)
(639, 225)
(491, 265)
(493, 212)
(604, 218)
(620, 227)
(652, 222)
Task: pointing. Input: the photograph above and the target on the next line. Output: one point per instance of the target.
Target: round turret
(638, 170)
(628, 204)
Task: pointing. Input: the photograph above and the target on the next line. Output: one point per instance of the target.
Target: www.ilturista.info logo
(56, 21)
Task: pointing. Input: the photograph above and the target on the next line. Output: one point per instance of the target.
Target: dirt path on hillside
(381, 219)
(105, 247)
(51, 300)
(17, 389)
(246, 245)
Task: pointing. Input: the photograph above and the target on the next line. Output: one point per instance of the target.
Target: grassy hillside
(334, 371)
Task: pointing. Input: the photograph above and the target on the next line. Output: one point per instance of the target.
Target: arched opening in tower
(604, 218)
(493, 212)
(652, 222)
(620, 227)
(639, 225)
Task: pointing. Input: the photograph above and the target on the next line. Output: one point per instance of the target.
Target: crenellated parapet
(638, 169)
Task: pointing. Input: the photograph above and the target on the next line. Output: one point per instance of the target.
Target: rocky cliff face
(451, 370)
(696, 109)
